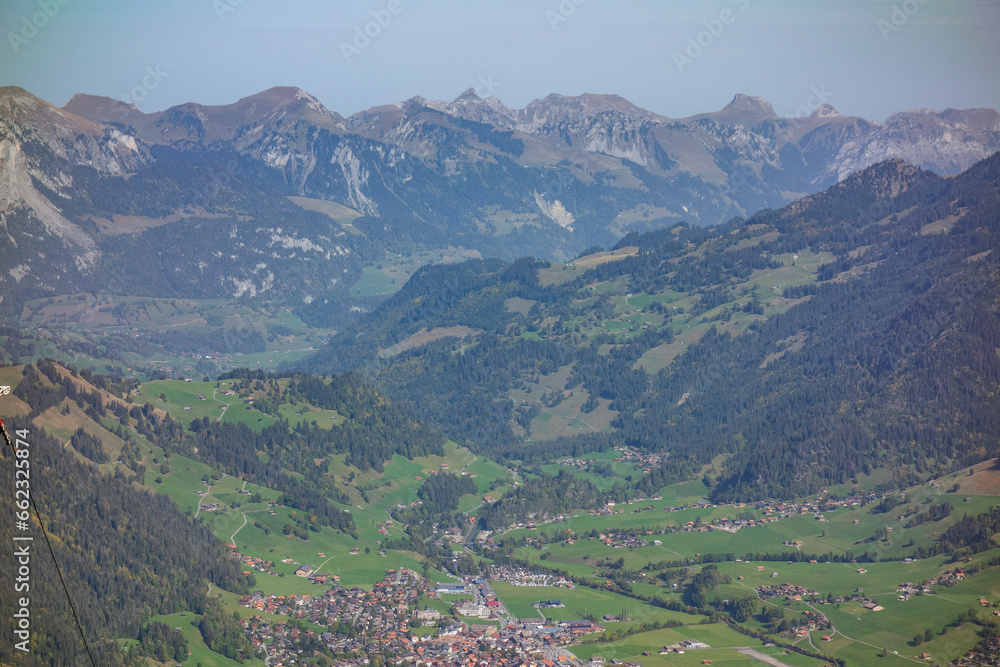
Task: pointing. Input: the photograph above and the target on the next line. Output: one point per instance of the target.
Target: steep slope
(69, 136)
(947, 142)
(745, 110)
(855, 329)
(125, 554)
(105, 212)
(567, 152)
(38, 145)
(99, 196)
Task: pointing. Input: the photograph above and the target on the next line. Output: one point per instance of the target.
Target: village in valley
(650, 579)
(387, 620)
(484, 619)
(549, 592)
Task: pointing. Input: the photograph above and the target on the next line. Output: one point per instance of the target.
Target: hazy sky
(867, 58)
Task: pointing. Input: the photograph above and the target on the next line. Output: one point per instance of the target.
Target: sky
(868, 58)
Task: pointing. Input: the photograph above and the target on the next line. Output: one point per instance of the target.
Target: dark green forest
(127, 555)
(898, 370)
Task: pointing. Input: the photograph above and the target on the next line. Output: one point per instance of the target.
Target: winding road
(207, 494)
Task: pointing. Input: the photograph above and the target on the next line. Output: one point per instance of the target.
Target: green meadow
(259, 529)
(717, 635)
(582, 602)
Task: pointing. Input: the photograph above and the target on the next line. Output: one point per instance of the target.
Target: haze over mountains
(841, 340)
(549, 180)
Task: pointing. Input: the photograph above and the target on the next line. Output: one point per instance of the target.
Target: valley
(632, 566)
(445, 383)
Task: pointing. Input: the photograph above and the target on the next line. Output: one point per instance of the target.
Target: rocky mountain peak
(416, 103)
(198, 122)
(555, 109)
(91, 106)
(49, 121)
(286, 101)
(469, 95)
(887, 179)
(978, 120)
(745, 110)
(824, 111)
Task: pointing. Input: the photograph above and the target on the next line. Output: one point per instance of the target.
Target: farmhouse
(549, 604)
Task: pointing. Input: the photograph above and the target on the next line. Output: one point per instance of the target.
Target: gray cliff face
(743, 156)
(945, 142)
(560, 175)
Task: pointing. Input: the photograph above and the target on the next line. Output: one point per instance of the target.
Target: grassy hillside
(809, 342)
(251, 519)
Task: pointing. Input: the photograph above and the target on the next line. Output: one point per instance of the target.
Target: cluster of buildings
(983, 654)
(548, 604)
(700, 505)
(948, 577)
(608, 510)
(645, 459)
(453, 535)
(789, 592)
(519, 576)
(908, 589)
(515, 644)
(871, 604)
(251, 562)
(487, 609)
(813, 621)
(817, 506)
(686, 645)
(385, 621)
(773, 510)
(625, 539)
(278, 642)
(484, 603)
(379, 610)
(732, 525)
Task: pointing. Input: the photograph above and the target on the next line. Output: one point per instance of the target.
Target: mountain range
(275, 197)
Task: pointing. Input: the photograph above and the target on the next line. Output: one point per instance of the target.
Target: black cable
(62, 581)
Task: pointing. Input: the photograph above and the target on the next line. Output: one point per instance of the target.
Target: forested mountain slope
(125, 554)
(855, 329)
(125, 547)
